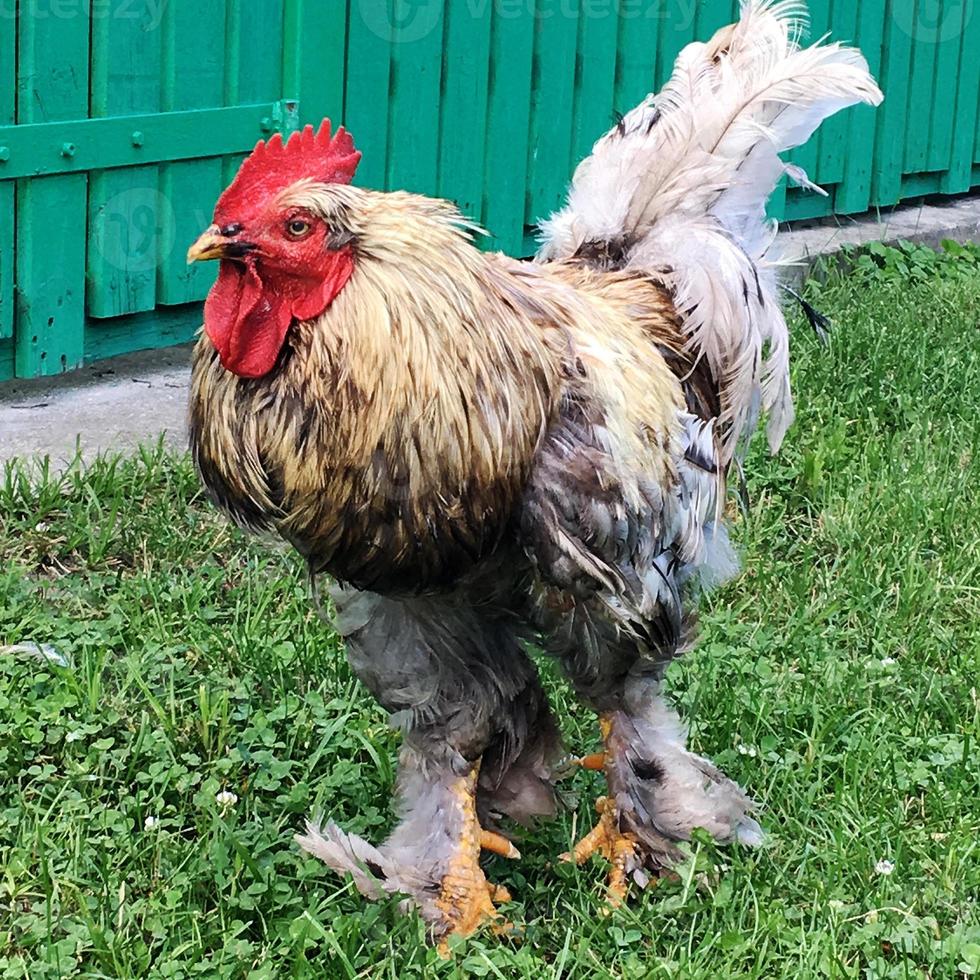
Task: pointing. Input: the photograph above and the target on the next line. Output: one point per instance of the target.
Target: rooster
(484, 453)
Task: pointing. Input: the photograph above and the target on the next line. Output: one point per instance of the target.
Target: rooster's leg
(466, 899)
(433, 856)
(657, 793)
(608, 838)
(478, 744)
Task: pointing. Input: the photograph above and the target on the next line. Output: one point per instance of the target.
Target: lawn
(149, 790)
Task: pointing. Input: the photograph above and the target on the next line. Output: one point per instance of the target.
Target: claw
(619, 848)
(594, 763)
(497, 844)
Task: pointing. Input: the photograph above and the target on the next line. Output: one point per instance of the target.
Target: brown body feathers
(393, 441)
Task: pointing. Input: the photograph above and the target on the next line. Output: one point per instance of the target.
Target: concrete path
(114, 405)
(110, 405)
(956, 218)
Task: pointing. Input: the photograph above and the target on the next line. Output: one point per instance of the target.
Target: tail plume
(679, 188)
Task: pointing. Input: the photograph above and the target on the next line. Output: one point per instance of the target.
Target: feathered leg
(433, 856)
(462, 690)
(658, 792)
(615, 561)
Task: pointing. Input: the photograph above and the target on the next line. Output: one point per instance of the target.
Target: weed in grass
(149, 792)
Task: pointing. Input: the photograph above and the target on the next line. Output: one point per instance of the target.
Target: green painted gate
(121, 120)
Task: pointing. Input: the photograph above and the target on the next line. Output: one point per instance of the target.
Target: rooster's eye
(297, 228)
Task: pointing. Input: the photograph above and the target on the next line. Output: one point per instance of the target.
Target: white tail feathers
(681, 185)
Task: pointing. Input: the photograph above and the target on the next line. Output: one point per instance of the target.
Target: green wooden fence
(121, 120)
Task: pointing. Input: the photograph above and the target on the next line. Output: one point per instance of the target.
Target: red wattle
(246, 325)
(247, 317)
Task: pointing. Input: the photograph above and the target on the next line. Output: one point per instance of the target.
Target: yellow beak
(211, 245)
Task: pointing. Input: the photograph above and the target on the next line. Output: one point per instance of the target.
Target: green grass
(837, 679)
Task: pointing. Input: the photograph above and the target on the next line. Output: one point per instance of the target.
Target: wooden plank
(50, 271)
(678, 28)
(712, 15)
(314, 72)
(193, 72)
(126, 213)
(892, 121)
(368, 78)
(976, 149)
(258, 50)
(920, 185)
(463, 122)
(103, 144)
(965, 130)
(595, 78)
(508, 125)
(6, 259)
(413, 120)
(802, 206)
(6, 359)
(157, 328)
(920, 103)
(944, 91)
(53, 81)
(636, 57)
(552, 105)
(8, 114)
(854, 193)
(835, 133)
(233, 54)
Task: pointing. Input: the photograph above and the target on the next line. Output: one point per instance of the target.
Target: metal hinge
(285, 116)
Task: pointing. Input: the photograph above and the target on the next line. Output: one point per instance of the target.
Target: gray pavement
(956, 218)
(115, 405)
(107, 406)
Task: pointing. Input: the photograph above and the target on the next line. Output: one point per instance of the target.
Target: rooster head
(280, 261)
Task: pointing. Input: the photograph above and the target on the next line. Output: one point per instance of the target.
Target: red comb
(274, 165)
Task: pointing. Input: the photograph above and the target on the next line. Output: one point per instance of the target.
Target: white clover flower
(888, 662)
(884, 867)
(226, 798)
(150, 822)
(749, 750)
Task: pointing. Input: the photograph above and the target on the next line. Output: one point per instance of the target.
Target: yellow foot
(467, 898)
(619, 848)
